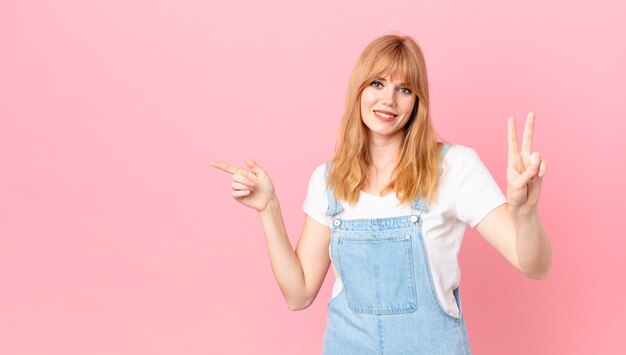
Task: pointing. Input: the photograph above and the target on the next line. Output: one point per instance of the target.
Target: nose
(389, 97)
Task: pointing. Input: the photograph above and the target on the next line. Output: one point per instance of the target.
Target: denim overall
(388, 304)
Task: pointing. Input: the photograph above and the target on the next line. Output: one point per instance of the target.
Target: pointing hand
(252, 188)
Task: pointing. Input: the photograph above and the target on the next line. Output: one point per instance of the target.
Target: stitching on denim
(381, 341)
(409, 307)
(411, 273)
(333, 247)
(462, 330)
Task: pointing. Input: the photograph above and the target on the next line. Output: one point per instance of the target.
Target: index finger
(230, 169)
(512, 139)
(528, 133)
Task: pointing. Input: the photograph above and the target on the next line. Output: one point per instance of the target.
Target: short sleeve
(478, 193)
(315, 204)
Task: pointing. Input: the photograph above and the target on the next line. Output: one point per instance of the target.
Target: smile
(384, 117)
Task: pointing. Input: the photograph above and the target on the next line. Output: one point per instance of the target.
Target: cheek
(364, 106)
(408, 105)
(367, 99)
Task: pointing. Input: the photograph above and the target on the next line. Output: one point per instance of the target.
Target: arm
(515, 229)
(533, 247)
(520, 238)
(299, 273)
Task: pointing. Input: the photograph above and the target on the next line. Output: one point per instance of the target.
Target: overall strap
(420, 205)
(334, 206)
(444, 150)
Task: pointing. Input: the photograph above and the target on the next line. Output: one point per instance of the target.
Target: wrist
(271, 205)
(523, 211)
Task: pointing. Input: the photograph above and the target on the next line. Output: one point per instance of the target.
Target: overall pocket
(378, 273)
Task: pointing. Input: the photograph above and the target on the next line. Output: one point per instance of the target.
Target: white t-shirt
(466, 194)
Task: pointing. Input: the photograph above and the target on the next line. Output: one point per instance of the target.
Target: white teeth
(384, 115)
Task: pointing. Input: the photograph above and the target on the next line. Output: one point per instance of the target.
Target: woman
(390, 210)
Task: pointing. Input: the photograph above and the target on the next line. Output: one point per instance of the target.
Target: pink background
(117, 237)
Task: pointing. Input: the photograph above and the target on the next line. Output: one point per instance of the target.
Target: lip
(384, 119)
(386, 112)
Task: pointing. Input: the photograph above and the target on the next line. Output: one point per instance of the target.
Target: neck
(384, 150)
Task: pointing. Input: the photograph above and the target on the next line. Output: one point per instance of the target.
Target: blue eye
(377, 84)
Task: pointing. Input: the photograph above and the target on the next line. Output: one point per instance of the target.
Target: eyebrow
(383, 79)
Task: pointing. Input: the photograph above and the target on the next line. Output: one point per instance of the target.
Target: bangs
(398, 64)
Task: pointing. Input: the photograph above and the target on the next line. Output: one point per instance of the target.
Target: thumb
(253, 165)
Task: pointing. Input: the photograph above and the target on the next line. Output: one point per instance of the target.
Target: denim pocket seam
(409, 277)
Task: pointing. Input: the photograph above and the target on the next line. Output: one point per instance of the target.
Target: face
(386, 106)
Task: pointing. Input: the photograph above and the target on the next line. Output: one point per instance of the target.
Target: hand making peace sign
(250, 188)
(525, 170)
